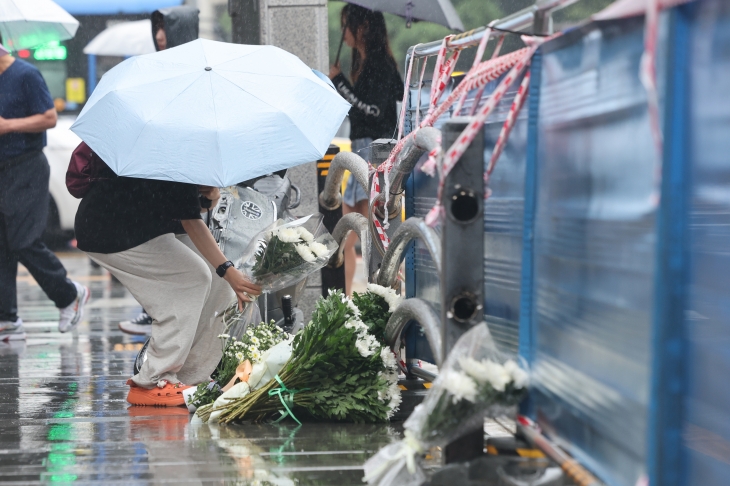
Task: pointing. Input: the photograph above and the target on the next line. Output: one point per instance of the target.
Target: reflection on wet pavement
(64, 418)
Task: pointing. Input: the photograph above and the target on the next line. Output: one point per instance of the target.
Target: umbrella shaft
(339, 49)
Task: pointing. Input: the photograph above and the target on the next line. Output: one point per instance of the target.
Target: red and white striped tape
(374, 191)
(442, 72)
(648, 70)
(480, 92)
(457, 149)
(477, 59)
(420, 88)
(514, 110)
(406, 87)
(647, 74)
(486, 71)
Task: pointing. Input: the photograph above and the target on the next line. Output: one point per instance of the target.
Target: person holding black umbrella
(375, 89)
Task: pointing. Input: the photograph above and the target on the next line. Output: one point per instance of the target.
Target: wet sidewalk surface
(64, 418)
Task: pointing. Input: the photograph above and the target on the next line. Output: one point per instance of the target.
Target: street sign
(75, 90)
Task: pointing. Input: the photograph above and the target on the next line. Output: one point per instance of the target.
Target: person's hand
(212, 193)
(5, 126)
(245, 290)
(335, 71)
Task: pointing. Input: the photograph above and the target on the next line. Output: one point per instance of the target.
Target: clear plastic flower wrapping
(290, 251)
(476, 381)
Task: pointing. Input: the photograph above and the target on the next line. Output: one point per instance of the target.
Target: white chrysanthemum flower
(253, 349)
(476, 369)
(374, 342)
(497, 375)
(256, 356)
(224, 336)
(347, 301)
(288, 235)
(389, 376)
(239, 356)
(249, 333)
(395, 399)
(519, 376)
(319, 249)
(304, 234)
(395, 392)
(388, 357)
(390, 295)
(255, 340)
(488, 371)
(305, 253)
(363, 347)
(460, 386)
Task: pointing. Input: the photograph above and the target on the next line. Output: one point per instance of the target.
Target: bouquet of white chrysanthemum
(476, 381)
(285, 253)
(251, 346)
(338, 370)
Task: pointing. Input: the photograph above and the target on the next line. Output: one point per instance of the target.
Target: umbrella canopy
(123, 39)
(30, 23)
(440, 12)
(210, 113)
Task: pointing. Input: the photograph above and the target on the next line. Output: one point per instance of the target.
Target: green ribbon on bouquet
(287, 401)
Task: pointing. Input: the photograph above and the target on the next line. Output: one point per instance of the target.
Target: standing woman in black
(375, 89)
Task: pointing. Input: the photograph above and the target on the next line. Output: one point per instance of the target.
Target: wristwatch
(223, 267)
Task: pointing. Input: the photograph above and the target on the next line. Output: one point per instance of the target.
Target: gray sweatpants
(183, 294)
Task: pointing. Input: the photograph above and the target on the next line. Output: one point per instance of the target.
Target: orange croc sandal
(169, 395)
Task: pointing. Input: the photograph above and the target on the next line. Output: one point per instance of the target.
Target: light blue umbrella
(210, 113)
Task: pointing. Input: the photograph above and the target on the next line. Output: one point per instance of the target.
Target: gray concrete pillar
(300, 27)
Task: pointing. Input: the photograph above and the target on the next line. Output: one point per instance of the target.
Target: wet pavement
(64, 418)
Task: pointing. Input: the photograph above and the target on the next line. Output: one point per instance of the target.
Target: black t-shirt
(120, 213)
(373, 98)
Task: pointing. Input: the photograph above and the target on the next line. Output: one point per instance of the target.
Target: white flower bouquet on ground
(285, 253)
(337, 369)
(477, 381)
(236, 350)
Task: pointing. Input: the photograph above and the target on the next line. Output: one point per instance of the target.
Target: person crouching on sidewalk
(127, 226)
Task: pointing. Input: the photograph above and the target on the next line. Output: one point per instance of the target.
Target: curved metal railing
(420, 311)
(331, 197)
(350, 222)
(426, 139)
(411, 229)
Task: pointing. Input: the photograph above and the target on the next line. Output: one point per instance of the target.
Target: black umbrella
(440, 12)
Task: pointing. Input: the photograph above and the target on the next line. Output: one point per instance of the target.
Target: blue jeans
(354, 192)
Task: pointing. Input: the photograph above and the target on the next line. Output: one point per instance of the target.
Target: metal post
(462, 282)
(91, 74)
(462, 271)
(332, 278)
(245, 21)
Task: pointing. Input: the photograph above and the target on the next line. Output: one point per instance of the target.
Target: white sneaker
(12, 331)
(140, 326)
(71, 315)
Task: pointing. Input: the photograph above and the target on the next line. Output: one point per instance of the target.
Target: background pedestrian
(26, 112)
(375, 89)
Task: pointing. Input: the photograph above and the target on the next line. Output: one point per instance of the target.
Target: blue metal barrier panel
(596, 200)
(707, 426)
